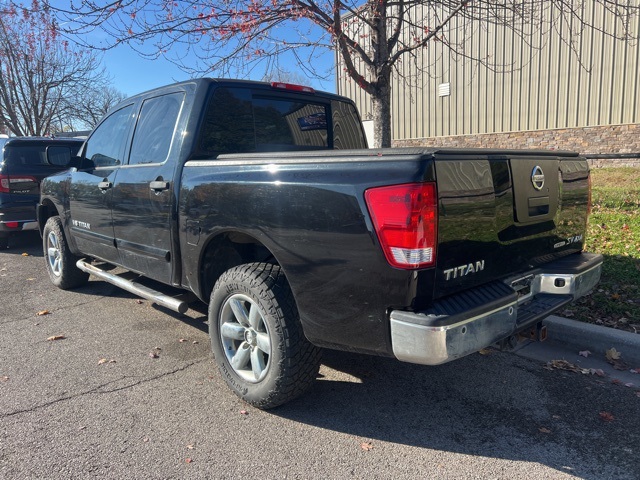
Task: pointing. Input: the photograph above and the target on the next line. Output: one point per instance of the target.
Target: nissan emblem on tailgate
(537, 177)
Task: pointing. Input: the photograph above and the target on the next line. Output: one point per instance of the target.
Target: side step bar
(153, 296)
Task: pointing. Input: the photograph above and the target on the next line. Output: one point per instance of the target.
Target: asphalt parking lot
(131, 391)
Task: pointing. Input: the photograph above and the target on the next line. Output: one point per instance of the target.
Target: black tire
(61, 263)
(4, 243)
(257, 339)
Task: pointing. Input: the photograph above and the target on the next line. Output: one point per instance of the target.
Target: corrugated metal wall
(536, 83)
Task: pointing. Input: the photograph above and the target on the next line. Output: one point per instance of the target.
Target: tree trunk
(381, 100)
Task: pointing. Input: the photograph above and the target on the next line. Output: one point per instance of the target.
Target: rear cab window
(239, 120)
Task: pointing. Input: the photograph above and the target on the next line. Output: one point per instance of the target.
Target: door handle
(159, 185)
(105, 185)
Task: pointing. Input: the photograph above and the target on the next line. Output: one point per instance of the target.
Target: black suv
(23, 165)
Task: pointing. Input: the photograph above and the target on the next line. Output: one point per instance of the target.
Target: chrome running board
(153, 296)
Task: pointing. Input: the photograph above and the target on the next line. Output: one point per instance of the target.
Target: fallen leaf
(544, 430)
(102, 361)
(613, 354)
(154, 355)
(56, 337)
(615, 381)
(619, 365)
(182, 340)
(244, 412)
(195, 342)
(366, 446)
(188, 460)
(25, 254)
(584, 353)
(139, 302)
(145, 440)
(556, 417)
(4, 379)
(606, 417)
(562, 365)
(625, 227)
(615, 296)
(638, 394)
(635, 370)
(43, 312)
(629, 385)
(597, 371)
(190, 447)
(484, 351)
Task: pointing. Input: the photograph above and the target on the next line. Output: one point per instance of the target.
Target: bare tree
(371, 37)
(89, 105)
(280, 75)
(41, 73)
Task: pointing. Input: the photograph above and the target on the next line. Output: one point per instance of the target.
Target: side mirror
(76, 162)
(59, 156)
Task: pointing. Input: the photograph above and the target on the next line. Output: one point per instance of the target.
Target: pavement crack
(100, 389)
(59, 309)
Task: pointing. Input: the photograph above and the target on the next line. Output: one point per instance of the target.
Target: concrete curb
(580, 336)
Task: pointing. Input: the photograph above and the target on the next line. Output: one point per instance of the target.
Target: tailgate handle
(159, 185)
(105, 185)
(538, 206)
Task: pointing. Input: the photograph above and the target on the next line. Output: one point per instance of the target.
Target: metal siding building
(537, 83)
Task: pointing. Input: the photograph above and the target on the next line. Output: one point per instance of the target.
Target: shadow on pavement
(479, 405)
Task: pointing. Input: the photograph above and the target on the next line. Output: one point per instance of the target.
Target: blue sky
(133, 74)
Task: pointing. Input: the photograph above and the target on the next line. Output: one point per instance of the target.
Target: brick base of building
(603, 140)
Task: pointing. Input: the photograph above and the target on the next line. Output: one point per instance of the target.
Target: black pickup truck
(263, 201)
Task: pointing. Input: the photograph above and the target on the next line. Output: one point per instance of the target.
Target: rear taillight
(405, 218)
(4, 184)
(6, 181)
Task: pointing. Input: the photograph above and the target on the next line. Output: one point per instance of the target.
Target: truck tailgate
(505, 213)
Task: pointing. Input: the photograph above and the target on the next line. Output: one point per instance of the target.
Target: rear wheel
(61, 263)
(257, 338)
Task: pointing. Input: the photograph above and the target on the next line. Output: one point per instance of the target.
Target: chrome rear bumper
(431, 338)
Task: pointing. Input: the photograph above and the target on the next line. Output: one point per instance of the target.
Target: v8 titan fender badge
(537, 177)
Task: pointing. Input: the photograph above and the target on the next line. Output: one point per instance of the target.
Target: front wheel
(61, 263)
(257, 338)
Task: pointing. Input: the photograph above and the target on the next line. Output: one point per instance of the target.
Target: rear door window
(155, 129)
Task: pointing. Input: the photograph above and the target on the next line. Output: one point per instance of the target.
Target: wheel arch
(46, 210)
(227, 250)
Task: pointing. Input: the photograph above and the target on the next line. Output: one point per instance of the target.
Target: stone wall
(610, 139)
